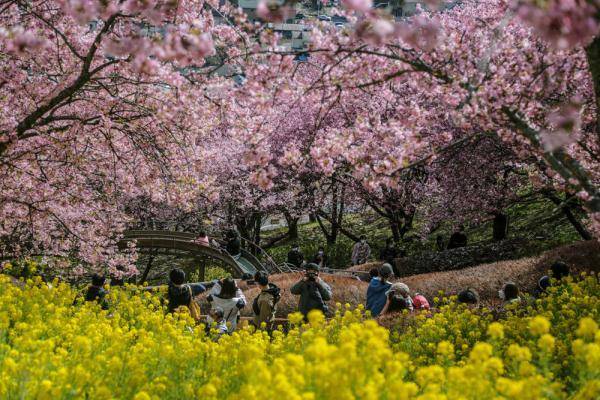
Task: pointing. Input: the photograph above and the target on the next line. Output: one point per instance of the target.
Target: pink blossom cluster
(564, 23)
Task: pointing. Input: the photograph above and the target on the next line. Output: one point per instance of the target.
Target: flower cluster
(52, 348)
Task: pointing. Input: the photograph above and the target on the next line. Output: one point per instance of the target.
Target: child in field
(398, 299)
(373, 273)
(218, 324)
(420, 302)
(558, 271)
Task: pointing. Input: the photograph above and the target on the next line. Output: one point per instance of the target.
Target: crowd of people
(383, 296)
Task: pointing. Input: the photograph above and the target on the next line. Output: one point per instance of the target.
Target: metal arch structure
(245, 263)
(183, 241)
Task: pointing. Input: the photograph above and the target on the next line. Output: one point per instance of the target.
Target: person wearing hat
(376, 293)
(469, 296)
(398, 299)
(313, 291)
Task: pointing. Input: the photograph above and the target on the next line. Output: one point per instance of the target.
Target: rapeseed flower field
(51, 349)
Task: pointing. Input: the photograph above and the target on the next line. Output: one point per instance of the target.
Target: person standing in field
(361, 251)
(265, 304)
(313, 291)
(320, 259)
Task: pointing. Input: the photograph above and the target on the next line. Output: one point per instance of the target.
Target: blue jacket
(376, 297)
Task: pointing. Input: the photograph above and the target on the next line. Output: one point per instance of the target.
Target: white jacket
(229, 306)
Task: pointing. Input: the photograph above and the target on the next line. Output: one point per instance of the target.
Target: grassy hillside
(487, 279)
(539, 222)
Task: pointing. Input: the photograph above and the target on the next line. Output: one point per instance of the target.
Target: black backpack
(274, 290)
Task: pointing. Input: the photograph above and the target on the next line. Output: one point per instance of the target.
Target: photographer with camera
(313, 291)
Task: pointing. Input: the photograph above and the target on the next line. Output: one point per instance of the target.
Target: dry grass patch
(487, 279)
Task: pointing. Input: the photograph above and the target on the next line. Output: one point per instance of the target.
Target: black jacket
(458, 239)
(234, 246)
(389, 254)
(96, 293)
(313, 295)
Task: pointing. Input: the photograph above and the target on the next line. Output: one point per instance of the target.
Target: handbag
(194, 307)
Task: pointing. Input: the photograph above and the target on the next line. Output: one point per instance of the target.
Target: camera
(311, 275)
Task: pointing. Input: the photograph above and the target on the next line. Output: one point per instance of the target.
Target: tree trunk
(343, 230)
(593, 57)
(568, 211)
(395, 231)
(334, 214)
(328, 236)
(147, 269)
(256, 236)
(292, 223)
(500, 229)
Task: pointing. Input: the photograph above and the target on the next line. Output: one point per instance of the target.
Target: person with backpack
(313, 291)
(376, 292)
(226, 295)
(265, 304)
(181, 294)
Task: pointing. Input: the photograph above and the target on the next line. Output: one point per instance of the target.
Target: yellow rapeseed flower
(495, 331)
(587, 328)
(539, 325)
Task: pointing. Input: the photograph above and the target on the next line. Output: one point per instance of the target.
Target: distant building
(293, 36)
(278, 221)
(406, 8)
(249, 7)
